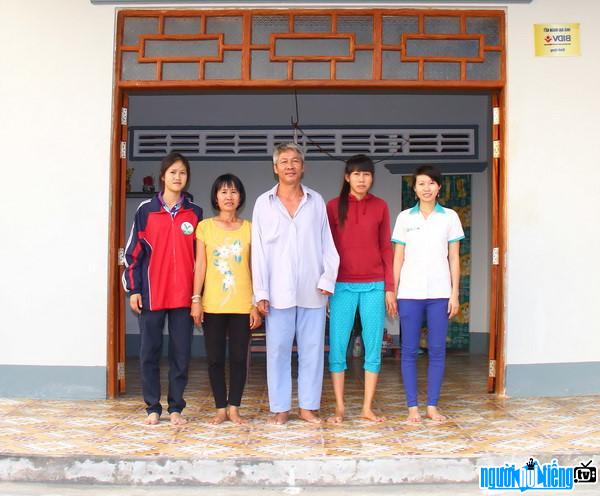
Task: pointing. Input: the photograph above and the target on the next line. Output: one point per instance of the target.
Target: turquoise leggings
(370, 299)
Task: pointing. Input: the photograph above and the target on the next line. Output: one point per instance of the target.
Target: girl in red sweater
(360, 224)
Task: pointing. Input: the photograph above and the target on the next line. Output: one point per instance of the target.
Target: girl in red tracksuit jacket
(360, 224)
(159, 270)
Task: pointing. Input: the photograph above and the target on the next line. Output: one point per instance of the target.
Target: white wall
(55, 93)
(553, 285)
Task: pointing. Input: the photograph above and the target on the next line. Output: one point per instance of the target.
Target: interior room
(234, 131)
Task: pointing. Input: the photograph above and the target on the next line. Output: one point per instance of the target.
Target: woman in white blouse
(426, 272)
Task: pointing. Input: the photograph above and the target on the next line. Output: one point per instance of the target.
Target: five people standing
(287, 264)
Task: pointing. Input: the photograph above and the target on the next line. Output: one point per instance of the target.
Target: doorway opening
(244, 117)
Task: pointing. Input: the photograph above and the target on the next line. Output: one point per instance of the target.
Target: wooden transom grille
(227, 144)
(395, 47)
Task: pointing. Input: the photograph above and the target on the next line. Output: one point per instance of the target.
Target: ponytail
(343, 203)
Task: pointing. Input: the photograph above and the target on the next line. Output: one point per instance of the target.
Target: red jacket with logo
(160, 254)
(364, 241)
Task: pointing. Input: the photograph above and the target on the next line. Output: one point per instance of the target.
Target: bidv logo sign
(556, 40)
(536, 476)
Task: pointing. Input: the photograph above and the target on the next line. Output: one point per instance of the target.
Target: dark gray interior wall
(276, 107)
(335, 109)
(340, 108)
(329, 109)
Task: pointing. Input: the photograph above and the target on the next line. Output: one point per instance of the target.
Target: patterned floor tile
(477, 423)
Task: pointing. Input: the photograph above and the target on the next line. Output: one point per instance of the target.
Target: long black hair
(360, 163)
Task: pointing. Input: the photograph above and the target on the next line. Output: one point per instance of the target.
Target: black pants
(180, 346)
(217, 327)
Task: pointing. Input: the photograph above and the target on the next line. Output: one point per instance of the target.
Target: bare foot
(308, 416)
(153, 419)
(337, 417)
(278, 418)
(220, 417)
(177, 419)
(413, 415)
(433, 414)
(234, 415)
(369, 414)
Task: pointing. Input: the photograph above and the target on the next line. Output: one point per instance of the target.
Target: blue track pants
(370, 299)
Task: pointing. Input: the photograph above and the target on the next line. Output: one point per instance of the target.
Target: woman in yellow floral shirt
(222, 296)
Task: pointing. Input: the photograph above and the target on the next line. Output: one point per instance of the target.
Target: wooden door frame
(496, 351)
(117, 202)
(117, 199)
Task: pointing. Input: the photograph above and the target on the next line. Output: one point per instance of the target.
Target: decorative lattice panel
(303, 48)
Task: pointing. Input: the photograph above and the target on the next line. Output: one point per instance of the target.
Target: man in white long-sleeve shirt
(294, 269)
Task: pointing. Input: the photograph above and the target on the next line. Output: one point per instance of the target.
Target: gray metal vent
(228, 144)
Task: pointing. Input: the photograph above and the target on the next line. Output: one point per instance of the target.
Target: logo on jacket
(187, 228)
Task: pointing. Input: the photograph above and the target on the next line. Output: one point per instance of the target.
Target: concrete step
(401, 470)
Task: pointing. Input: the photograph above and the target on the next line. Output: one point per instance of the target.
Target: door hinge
(123, 116)
(123, 149)
(121, 257)
(120, 371)
(495, 116)
(496, 150)
(495, 256)
(492, 368)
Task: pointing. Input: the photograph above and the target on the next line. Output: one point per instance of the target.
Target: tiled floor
(478, 423)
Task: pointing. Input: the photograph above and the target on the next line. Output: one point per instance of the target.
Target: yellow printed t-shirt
(228, 284)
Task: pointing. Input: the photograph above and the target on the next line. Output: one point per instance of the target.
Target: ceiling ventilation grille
(232, 144)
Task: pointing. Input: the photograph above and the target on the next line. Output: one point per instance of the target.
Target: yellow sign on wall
(557, 40)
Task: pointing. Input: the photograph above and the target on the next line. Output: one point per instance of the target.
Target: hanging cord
(297, 129)
(296, 123)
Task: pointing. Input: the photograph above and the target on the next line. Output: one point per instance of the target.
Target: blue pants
(370, 299)
(411, 314)
(307, 325)
(180, 347)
